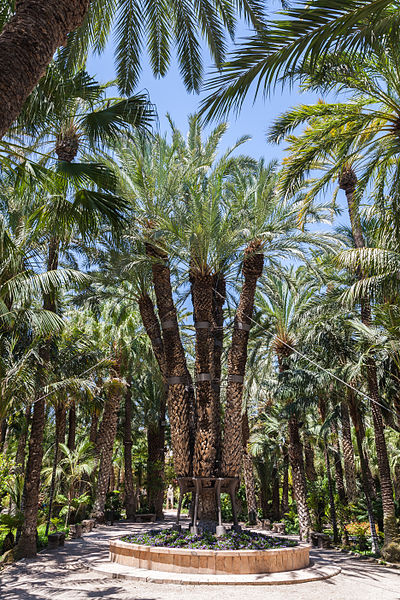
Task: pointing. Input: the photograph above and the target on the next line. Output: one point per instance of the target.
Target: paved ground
(63, 575)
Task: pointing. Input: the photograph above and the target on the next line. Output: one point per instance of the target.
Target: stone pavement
(63, 575)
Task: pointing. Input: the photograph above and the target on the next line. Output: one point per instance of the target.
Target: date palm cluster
(173, 309)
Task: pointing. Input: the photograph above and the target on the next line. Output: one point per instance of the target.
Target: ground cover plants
(233, 540)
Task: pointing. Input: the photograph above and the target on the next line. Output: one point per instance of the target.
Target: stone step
(116, 571)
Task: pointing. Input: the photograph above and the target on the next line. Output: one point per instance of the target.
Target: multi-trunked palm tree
(202, 220)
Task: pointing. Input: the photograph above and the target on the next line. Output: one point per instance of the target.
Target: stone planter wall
(219, 562)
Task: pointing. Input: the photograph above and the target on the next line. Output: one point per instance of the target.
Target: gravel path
(63, 575)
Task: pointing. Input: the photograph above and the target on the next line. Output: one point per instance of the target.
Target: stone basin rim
(171, 550)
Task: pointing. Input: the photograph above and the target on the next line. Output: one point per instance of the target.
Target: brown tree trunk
(205, 442)
(27, 46)
(311, 473)
(105, 445)
(129, 486)
(21, 448)
(180, 385)
(348, 455)
(331, 496)
(71, 443)
(155, 468)
(347, 182)
(27, 541)
(298, 478)
(93, 428)
(285, 483)
(248, 473)
(232, 446)
(219, 296)
(60, 416)
(275, 508)
(337, 457)
(360, 436)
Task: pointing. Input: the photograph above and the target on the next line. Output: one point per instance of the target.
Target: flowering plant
(244, 540)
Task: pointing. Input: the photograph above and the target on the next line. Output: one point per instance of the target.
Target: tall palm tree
(34, 31)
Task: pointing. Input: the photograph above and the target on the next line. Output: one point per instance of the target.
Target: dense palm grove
(171, 308)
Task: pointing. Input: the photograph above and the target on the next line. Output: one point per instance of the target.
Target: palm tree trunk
(27, 45)
(21, 448)
(27, 541)
(261, 466)
(93, 428)
(105, 445)
(365, 475)
(71, 443)
(275, 508)
(347, 182)
(348, 455)
(205, 441)
(331, 496)
(248, 473)
(60, 438)
(180, 385)
(339, 479)
(298, 478)
(155, 468)
(285, 483)
(129, 486)
(311, 473)
(3, 431)
(232, 447)
(219, 297)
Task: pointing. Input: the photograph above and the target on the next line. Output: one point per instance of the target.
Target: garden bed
(245, 552)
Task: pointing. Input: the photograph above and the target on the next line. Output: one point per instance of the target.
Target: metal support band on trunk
(176, 380)
(236, 378)
(203, 377)
(243, 326)
(168, 324)
(202, 325)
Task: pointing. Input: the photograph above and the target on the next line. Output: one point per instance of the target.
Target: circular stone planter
(215, 562)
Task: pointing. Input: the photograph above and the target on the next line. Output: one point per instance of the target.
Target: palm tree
(44, 27)
(309, 33)
(193, 209)
(283, 306)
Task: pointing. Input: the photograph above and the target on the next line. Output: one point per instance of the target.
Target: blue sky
(170, 96)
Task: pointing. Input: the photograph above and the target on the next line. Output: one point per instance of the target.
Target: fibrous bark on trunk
(205, 442)
(155, 468)
(298, 478)
(348, 454)
(285, 483)
(180, 385)
(248, 473)
(105, 444)
(337, 456)
(27, 46)
(27, 541)
(129, 486)
(232, 447)
(311, 473)
(71, 426)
